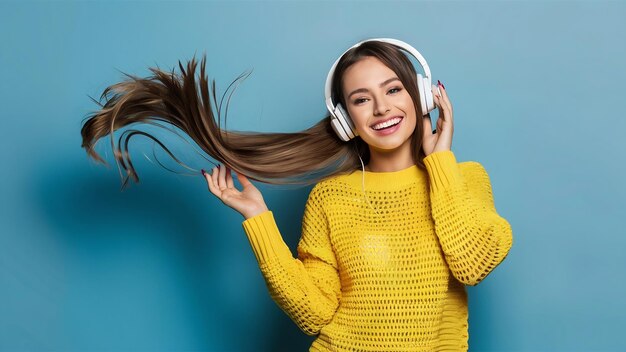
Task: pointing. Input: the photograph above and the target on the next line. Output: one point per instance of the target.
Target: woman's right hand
(249, 202)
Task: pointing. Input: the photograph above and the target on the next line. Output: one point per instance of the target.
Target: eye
(359, 101)
(395, 90)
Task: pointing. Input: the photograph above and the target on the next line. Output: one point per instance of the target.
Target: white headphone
(340, 120)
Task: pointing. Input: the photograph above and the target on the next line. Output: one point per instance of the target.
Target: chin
(387, 143)
(388, 146)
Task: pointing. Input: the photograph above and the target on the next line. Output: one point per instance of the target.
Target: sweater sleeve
(474, 238)
(306, 288)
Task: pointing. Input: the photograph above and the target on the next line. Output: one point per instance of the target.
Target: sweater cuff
(443, 170)
(265, 238)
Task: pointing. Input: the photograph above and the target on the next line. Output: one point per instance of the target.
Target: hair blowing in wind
(167, 99)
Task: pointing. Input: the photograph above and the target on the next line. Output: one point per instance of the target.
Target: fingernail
(441, 84)
(203, 172)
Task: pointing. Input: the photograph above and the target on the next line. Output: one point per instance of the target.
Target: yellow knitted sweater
(391, 280)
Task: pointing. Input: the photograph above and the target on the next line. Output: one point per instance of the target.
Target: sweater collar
(387, 180)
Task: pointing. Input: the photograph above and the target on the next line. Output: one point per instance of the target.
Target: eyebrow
(364, 90)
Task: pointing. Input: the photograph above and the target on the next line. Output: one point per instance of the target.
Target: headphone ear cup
(348, 121)
(343, 123)
(426, 95)
(334, 122)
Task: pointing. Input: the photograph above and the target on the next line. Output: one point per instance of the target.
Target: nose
(381, 106)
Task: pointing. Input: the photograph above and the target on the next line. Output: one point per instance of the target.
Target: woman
(385, 251)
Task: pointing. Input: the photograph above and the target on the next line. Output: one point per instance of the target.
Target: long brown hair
(304, 157)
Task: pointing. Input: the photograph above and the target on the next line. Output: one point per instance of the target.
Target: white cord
(363, 186)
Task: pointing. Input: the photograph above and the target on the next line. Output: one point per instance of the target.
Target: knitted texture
(389, 279)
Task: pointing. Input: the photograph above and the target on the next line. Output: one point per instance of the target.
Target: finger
(445, 99)
(229, 179)
(222, 177)
(212, 186)
(242, 179)
(440, 106)
(436, 101)
(442, 89)
(435, 90)
(214, 178)
(444, 110)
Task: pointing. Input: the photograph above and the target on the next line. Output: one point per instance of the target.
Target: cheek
(406, 106)
(408, 103)
(359, 119)
(357, 116)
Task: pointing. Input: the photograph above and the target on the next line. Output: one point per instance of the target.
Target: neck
(390, 160)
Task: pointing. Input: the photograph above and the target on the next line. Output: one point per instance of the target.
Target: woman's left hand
(441, 139)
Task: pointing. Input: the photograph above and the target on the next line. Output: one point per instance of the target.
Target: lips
(386, 120)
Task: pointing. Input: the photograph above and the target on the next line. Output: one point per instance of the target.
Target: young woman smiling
(394, 227)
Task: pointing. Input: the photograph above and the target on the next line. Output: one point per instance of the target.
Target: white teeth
(387, 124)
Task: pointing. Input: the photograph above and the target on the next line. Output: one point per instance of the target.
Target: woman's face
(374, 95)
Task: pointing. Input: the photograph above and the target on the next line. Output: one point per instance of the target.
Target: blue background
(537, 89)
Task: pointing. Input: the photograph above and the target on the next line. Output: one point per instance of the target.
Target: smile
(388, 127)
(387, 124)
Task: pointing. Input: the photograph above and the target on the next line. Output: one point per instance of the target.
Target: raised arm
(474, 238)
(306, 288)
